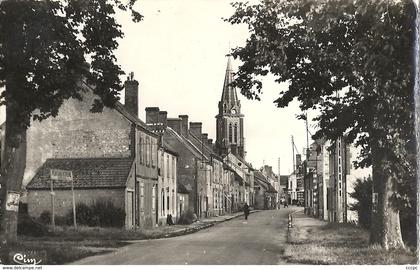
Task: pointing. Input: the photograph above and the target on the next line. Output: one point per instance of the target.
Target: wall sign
(12, 202)
(374, 201)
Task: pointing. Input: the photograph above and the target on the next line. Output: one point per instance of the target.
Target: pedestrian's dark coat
(246, 210)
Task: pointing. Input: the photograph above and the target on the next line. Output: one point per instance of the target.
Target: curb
(290, 224)
(186, 231)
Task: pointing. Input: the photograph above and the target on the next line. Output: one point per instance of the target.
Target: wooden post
(52, 205)
(74, 204)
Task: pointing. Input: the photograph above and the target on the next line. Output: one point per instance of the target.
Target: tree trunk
(385, 227)
(12, 170)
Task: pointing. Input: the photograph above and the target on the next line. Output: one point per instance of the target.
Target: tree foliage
(349, 60)
(363, 206)
(48, 50)
(47, 46)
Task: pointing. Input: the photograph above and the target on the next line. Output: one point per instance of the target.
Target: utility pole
(293, 153)
(307, 136)
(279, 185)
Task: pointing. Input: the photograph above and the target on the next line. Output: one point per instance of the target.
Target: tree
(353, 62)
(46, 48)
(363, 206)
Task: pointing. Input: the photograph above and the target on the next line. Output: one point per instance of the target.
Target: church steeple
(230, 136)
(229, 102)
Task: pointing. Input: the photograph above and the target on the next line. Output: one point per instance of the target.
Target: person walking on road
(246, 210)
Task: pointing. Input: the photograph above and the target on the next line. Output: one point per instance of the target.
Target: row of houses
(327, 180)
(150, 169)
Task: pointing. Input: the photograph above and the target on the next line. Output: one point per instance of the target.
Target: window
(163, 201)
(141, 197)
(153, 198)
(236, 133)
(153, 152)
(141, 149)
(167, 202)
(167, 166)
(230, 132)
(173, 168)
(173, 201)
(328, 198)
(144, 147)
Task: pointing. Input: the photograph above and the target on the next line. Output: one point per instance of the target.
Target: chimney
(184, 128)
(195, 128)
(204, 138)
(131, 102)
(210, 143)
(175, 124)
(152, 115)
(163, 118)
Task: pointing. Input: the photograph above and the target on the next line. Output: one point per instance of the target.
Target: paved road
(259, 240)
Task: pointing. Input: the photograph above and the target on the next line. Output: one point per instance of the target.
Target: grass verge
(311, 241)
(66, 244)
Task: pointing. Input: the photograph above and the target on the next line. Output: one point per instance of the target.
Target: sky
(178, 55)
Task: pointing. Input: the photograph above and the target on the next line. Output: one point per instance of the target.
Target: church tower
(229, 121)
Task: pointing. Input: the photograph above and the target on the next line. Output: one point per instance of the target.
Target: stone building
(273, 179)
(218, 191)
(107, 179)
(194, 170)
(116, 133)
(167, 184)
(265, 194)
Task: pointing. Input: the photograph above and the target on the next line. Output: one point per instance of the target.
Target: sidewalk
(313, 241)
(177, 230)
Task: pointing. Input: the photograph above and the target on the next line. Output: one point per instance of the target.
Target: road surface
(259, 240)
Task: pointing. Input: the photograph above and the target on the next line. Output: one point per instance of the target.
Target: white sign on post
(61, 175)
(12, 202)
(375, 201)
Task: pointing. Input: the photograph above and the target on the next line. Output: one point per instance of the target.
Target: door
(129, 211)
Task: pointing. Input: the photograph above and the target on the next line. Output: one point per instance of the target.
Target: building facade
(167, 185)
(116, 133)
(329, 180)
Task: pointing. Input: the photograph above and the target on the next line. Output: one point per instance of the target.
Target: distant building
(296, 182)
(265, 194)
(283, 187)
(329, 180)
(229, 120)
(274, 181)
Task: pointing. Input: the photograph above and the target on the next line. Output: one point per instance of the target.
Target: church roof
(229, 96)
